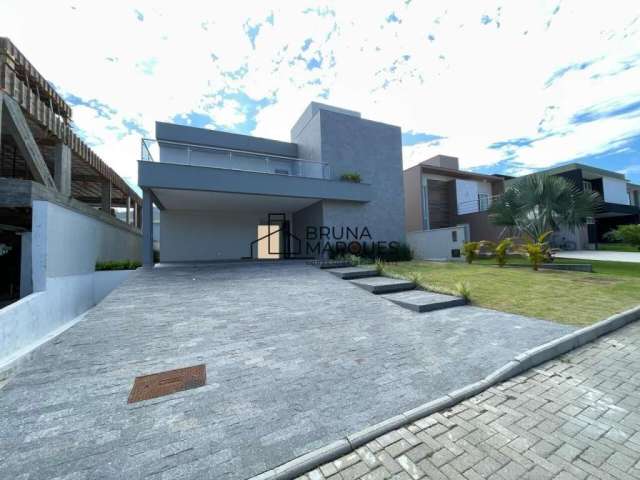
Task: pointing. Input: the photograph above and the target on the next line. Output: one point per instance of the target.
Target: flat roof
(579, 166)
(463, 174)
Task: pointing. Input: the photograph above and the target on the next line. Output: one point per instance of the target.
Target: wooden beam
(97, 201)
(27, 145)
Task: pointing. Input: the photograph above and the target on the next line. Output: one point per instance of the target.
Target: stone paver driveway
(296, 358)
(577, 417)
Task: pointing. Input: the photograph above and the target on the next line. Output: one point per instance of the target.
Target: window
(454, 235)
(483, 202)
(586, 186)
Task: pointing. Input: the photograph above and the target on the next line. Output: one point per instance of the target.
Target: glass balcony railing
(202, 156)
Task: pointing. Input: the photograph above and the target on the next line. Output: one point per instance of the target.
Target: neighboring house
(227, 196)
(58, 204)
(634, 194)
(620, 203)
(446, 206)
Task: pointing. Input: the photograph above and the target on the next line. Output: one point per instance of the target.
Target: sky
(507, 86)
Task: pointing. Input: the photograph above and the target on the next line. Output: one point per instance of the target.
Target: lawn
(573, 298)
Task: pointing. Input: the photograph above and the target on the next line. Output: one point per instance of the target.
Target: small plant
(538, 250)
(464, 290)
(353, 177)
(415, 278)
(501, 251)
(354, 260)
(626, 233)
(379, 264)
(470, 251)
(118, 265)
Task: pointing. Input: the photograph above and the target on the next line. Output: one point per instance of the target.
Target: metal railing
(204, 156)
(480, 204)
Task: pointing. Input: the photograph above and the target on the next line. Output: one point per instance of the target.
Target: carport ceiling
(228, 202)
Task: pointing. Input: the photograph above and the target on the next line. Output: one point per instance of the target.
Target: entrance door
(274, 238)
(269, 242)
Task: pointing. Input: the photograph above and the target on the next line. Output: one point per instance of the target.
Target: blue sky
(508, 87)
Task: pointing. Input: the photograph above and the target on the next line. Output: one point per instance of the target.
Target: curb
(522, 362)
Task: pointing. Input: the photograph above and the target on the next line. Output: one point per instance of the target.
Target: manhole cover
(165, 383)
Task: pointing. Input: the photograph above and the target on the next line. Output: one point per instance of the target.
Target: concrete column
(147, 229)
(128, 209)
(106, 196)
(62, 169)
(26, 279)
(138, 215)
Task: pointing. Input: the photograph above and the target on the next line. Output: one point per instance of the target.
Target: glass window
(483, 201)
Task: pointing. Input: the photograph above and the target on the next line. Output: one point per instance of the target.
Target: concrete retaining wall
(66, 244)
(35, 319)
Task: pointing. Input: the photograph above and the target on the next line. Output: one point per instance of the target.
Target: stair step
(379, 285)
(325, 264)
(350, 273)
(421, 301)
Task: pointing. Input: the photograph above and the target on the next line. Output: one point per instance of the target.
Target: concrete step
(380, 285)
(421, 301)
(350, 273)
(324, 264)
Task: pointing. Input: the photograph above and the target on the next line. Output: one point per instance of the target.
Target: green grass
(618, 247)
(599, 266)
(573, 298)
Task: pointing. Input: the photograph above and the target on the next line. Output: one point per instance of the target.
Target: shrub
(470, 251)
(118, 265)
(538, 250)
(353, 177)
(396, 252)
(464, 290)
(626, 233)
(501, 251)
(379, 266)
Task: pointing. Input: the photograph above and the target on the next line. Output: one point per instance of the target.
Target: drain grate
(165, 383)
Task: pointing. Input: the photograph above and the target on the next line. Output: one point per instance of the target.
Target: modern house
(620, 203)
(446, 206)
(224, 196)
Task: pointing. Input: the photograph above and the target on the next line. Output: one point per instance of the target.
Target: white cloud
(475, 84)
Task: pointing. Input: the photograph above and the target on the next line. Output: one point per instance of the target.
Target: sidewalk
(601, 255)
(575, 417)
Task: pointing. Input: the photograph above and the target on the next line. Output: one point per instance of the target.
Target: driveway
(631, 257)
(296, 358)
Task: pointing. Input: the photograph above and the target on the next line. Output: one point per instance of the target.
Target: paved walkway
(631, 257)
(577, 417)
(296, 359)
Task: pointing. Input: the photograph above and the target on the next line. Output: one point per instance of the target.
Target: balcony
(203, 156)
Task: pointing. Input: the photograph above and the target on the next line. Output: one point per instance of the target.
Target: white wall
(436, 244)
(189, 235)
(36, 318)
(66, 245)
(615, 190)
(68, 242)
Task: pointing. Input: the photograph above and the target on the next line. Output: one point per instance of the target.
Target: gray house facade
(225, 196)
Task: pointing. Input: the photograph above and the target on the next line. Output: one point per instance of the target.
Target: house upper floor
(617, 193)
(333, 154)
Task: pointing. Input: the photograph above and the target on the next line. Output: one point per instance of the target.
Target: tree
(540, 203)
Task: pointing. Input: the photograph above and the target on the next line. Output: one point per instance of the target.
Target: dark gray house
(620, 202)
(227, 196)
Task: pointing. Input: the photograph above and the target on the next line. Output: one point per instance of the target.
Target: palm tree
(540, 203)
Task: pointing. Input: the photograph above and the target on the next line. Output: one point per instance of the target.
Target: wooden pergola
(41, 145)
